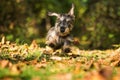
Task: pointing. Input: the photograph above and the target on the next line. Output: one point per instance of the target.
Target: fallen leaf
(88, 64)
(76, 41)
(3, 40)
(117, 77)
(14, 70)
(4, 63)
(6, 78)
(36, 78)
(115, 63)
(8, 42)
(33, 45)
(48, 50)
(64, 76)
(106, 72)
(97, 65)
(94, 75)
(77, 68)
(56, 58)
(75, 50)
(39, 65)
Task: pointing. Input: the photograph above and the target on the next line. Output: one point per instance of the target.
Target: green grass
(24, 62)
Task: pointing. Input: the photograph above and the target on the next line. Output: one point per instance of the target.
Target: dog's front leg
(66, 46)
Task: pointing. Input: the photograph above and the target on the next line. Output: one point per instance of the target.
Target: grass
(31, 62)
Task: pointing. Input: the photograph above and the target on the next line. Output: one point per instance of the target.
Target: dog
(59, 36)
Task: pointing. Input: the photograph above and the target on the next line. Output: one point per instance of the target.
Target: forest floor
(32, 62)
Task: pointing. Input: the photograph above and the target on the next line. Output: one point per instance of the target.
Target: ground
(32, 62)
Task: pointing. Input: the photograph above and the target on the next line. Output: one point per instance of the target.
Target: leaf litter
(32, 62)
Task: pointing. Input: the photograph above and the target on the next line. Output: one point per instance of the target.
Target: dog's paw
(67, 50)
(51, 45)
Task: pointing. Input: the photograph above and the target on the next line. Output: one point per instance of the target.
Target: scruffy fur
(59, 35)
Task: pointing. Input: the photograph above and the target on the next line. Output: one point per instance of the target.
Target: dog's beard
(65, 33)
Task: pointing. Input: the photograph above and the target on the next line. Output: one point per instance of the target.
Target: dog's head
(64, 22)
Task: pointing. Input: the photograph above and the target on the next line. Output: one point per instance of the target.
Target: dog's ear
(71, 12)
(53, 14)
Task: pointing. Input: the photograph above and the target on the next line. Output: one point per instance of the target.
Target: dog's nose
(62, 29)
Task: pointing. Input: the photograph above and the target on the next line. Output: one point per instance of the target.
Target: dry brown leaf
(31, 62)
(13, 47)
(4, 63)
(33, 45)
(56, 58)
(56, 52)
(48, 50)
(76, 41)
(75, 50)
(97, 65)
(7, 42)
(88, 64)
(94, 75)
(10, 64)
(77, 68)
(3, 40)
(106, 72)
(6, 78)
(115, 56)
(103, 62)
(39, 65)
(115, 63)
(117, 77)
(14, 70)
(64, 76)
(36, 78)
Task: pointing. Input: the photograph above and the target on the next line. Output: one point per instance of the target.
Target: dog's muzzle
(62, 29)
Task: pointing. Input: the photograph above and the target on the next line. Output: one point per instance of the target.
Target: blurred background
(97, 24)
